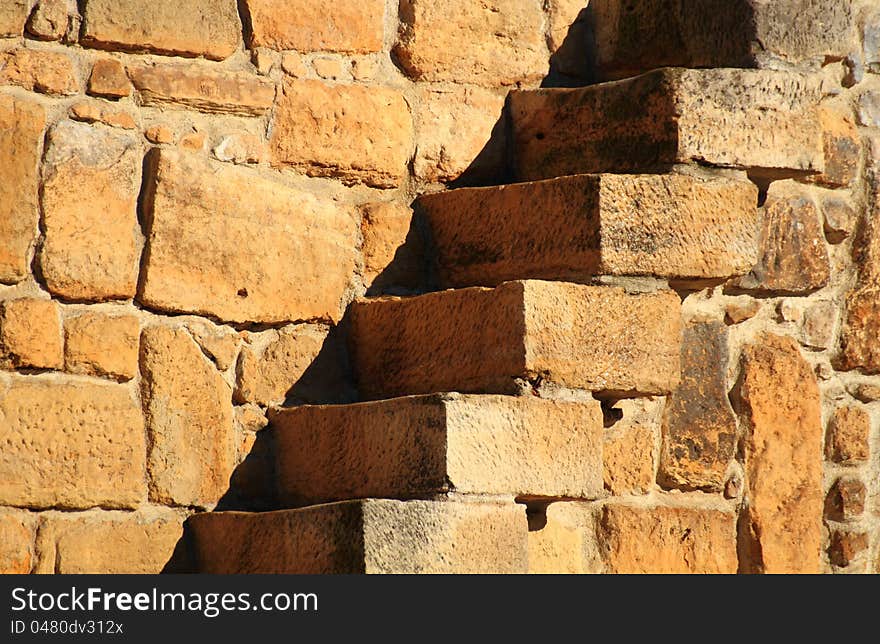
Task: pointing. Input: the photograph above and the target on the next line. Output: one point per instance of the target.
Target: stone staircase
(485, 400)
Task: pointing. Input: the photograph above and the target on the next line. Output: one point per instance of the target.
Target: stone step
(366, 536)
(760, 120)
(672, 226)
(417, 447)
(478, 340)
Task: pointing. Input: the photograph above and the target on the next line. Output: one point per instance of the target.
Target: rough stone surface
(628, 454)
(189, 419)
(839, 218)
(699, 427)
(377, 124)
(845, 500)
(49, 20)
(352, 26)
(647, 124)
(843, 149)
(562, 541)
(569, 228)
(30, 334)
(108, 79)
(496, 42)
(208, 28)
(819, 324)
(102, 345)
(481, 340)
(783, 459)
(667, 540)
(22, 122)
(201, 88)
(848, 434)
(370, 536)
(846, 547)
(13, 15)
(218, 343)
(17, 531)
(282, 255)
(393, 249)
(93, 241)
(417, 447)
(100, 112)
(38, 70)
(70, 445)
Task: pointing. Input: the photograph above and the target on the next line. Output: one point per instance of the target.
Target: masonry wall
(191, 194)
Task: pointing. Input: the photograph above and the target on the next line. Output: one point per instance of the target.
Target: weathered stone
(722, 117)
(848, 434)
(159, 134)
(266, 376)
(49, 20)
(293, 65)
(839, 217)
(209, 28)
(370, 536)
(565, 542)
(741, 310)
(699, 427)
(109, 542)
(93, 239)
(21, 141)
(393, 249)
(376, 121)
(491, 43)
(351, 26)
(201, 88)
(843, 148)
(783, 458)
(109, 79)
(241, 148)
(70, 445)
(38, 70)
(861, 329)
(281, 255)
(628, 453)
(574, 227)
(17, 530)
(328, 68)
(845, 500)
(865, 391)
(189, 419)
(667, 540)
(871, 40)
(102, 345)
(794, 257)
(563, 14)
(219, 344)
(13, 14)
(417, 447)
(30, 334)
(869, 109)
(846, 547)
(455, 126)
(100, 112)
(632, 38)
(818, 328)
(481, 340)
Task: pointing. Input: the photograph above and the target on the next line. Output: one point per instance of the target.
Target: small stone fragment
(848, 432)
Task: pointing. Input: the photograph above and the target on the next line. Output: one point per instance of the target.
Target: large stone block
(421, 446)
(39, 70)
(482, 340)
(369, 536)
(97, 344)
(226, 242)
(762, 120)
(70, 444)
(673, 226)
(93, 242)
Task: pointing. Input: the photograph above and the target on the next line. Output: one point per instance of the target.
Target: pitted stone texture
(279, 255)
(628, 450)
(70, 444)
(660, 539)
(376, 121)
(672, 226)
(849, 431)
(49, 20)
(39, 70)
(350, 26)
(102, 345)
(566, 542)
(421, 446)
(783, 459)
(370, 536)
(17, 530)
(726, 117)
(481, 340)
(209, 28)
(491, 43)
(188, 407)
(635, 37)
(30, 334)
(93, 242)
(13, 14)
(843, 148)
(699, 428)
(846, 499)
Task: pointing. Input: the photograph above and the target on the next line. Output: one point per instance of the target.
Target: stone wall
(192, 194)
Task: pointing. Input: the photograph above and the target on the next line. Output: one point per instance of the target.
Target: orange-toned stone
(628, 453)
(848, 434)
(17, 530)
(30, 334)
(159, 134)
(846, 499)
(109, 79)
(38, 70)
(49, 20)
(99, 112)
(845, 547)
(241, 148)
(13, 14)
(97, 344)
(843, 148)
(393, 249)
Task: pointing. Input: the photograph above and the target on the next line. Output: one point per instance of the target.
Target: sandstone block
(38, 70)
(100, 112)
(219, 344)
(723, 117)
(843, 148)
(93, 240)
(783, 454)
(628, 452)
(845, 500)
(846, 547)
(189, 419)
(208, 28)
(13, 15)
(17, 530)
(49, 20)
(203, 89)
(393, 249)
(861, 329)
(370, 536)
(376, 121)
(102, 345)
(22, 123)
(109, 79)
(30, 334)
(565, 543)
(481, 340)
(492, 43)
(351, 26)
(70, 444)
(672, 226)
(281, 255)
(848, 433)
(417, 447)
